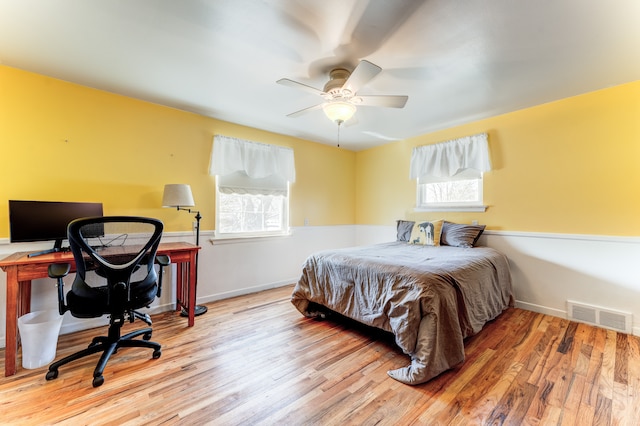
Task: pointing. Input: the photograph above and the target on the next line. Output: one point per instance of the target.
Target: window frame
(456, 206)
(284, 231)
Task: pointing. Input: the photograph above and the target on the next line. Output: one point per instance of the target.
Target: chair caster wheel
(98, 381)
(51, 374)
(146, 336)
(157, 353)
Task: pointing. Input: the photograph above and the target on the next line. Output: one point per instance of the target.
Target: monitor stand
(57, 247)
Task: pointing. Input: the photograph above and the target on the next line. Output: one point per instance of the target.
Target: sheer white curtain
(250, 167)
(463, 158)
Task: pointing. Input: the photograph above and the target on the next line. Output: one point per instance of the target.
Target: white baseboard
(541, 309)
(246, 290)
(547, 269)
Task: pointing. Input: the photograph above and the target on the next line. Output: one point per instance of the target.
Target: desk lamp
(179, 195)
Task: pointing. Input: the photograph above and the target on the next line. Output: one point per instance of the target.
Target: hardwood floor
(256, 360)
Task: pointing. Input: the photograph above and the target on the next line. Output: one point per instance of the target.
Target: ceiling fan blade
(306, 110)
(368, 27)
(360, 76)
(381, 136)
(297, 85)
(389, 101)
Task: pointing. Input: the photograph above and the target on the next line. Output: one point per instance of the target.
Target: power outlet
(306, 221)
(194, 226)
(474, 222)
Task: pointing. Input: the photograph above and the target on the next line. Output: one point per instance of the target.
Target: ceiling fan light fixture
(339, 111)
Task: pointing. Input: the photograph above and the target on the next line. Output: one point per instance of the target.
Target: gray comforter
(430, 298)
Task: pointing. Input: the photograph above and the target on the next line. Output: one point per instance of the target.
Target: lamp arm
(198, 217)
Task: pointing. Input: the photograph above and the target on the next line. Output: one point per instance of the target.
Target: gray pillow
(458, 235)
(404, 230)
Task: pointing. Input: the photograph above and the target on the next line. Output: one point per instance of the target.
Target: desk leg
(192, 291)
(179, 286)
(24, 298)
(18, 303)
(185, 289)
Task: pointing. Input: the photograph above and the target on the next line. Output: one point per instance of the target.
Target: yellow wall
(571, 166)
(65, 142)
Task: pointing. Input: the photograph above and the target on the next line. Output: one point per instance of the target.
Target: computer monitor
(47, 220)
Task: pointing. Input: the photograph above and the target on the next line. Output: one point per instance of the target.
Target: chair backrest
(110, 257)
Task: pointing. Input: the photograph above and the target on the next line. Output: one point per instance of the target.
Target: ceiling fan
(340, 93)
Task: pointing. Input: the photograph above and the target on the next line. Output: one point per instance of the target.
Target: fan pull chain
(339, 123)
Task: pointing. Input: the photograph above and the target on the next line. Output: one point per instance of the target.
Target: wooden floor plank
(255, 360)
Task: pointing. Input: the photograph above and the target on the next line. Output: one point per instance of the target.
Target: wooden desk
(21, 270)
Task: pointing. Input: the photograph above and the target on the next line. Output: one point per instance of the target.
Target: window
(450, 194)
(251, 213)
(449, 174)
(252, 187)
(242, 212)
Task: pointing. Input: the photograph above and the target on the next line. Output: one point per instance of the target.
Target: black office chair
(131, 283)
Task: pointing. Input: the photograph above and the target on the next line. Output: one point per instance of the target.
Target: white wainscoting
(547, 269)
(550, 269)
(240, 266)
(227, 268)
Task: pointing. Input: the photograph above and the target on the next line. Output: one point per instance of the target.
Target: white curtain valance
(463, 158)
(251, 167)
(257, 160)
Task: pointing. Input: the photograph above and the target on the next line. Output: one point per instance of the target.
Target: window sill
(451, 209)
(234, 239)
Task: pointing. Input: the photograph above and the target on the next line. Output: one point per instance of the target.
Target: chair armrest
(162, 260)
(57, 271)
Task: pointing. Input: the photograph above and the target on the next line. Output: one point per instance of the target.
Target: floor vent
(607, 318)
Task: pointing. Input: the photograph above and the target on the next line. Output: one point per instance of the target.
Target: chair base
(108, 346)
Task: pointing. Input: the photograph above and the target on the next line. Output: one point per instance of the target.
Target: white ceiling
(457, 60)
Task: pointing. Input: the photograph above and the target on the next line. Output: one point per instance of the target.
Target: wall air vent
(601, 317)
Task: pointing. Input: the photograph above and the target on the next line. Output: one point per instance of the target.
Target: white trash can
(39, 337)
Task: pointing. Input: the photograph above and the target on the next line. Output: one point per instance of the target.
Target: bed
(430, 297)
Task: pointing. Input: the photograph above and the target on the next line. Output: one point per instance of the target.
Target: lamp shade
(176, 195)
(339, 111)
